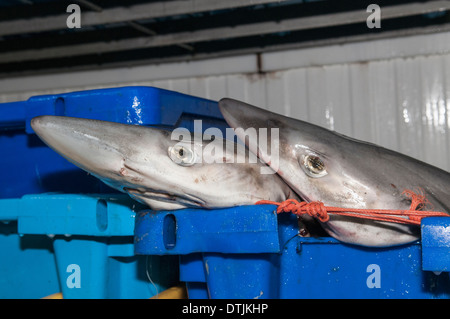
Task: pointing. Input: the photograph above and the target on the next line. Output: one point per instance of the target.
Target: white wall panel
(236, 87)
(408, 105)
(382, 109)
(360, 110)
(434, 116)
(296, 83)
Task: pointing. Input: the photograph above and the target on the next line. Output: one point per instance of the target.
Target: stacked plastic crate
(63, 230)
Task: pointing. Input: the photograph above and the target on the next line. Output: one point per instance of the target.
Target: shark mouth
(160, 196)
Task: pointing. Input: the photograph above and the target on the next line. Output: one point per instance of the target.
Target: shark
(323, 165)
(163, 169)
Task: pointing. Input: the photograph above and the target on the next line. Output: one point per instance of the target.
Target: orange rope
(319, 210)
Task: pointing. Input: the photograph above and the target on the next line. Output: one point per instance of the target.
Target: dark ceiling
(34, 37)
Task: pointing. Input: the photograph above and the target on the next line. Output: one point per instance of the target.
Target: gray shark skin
(153, 168)
(322, 165)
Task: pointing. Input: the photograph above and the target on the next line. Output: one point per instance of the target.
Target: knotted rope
(412, 216)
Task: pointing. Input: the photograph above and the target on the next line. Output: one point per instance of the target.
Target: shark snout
(96, 146)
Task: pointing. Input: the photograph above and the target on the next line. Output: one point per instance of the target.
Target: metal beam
(405, 43)
(134, 25)
(296, 24)
(123, 14)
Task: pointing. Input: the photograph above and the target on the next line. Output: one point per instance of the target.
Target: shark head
(322, 165)
(158, 167)
(312, 159)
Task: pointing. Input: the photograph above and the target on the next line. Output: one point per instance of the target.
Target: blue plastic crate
(250, 252)
(34, 168)
(81, 245)
(59, 231)
(436, 244)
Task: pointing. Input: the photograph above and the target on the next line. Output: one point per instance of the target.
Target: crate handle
(169, 231)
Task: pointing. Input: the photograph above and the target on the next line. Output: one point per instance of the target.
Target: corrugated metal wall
(399, 103)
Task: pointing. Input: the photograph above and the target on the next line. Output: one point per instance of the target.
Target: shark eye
(182, 155)
(313, 166)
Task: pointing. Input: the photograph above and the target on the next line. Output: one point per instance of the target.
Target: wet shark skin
(134, 159)
(359, 174)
